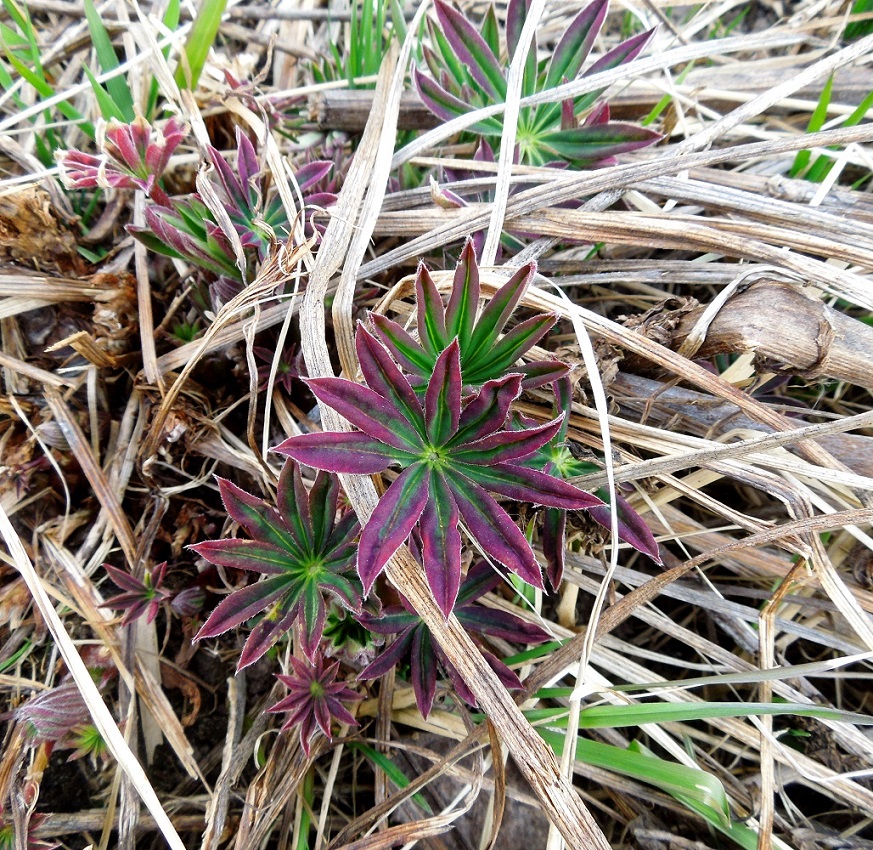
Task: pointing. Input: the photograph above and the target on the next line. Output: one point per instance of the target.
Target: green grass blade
(703, 788)
(199, 41)
(394, 773)
(106, 103)
(117, 88)
(816, 121)
(616, 716)
(171, 22)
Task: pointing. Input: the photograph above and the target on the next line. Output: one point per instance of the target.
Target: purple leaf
(339, 452)
(505, 446)
(238, 554)
(488, 409)
(464, 300)
(423, 671)
(441, 544)
(392, 521)
(495, 531)
(632, 527)
(431, 314)
(472, 50)
(576, 43)
(442, 401)
(366, 410)
(529, 485)
(382, 375)
(625, 52)
(242, 605)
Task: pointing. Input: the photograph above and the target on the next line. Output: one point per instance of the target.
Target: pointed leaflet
(423, 669)
(293, 504)
(632, 527)
(464, 301)
(576, 43)
(442, 401)
(625, 52)
(408, 352)
(598, 141)
(495, 316)
(257, 518)
(366, 410)
(472, 50)
(554, 541)
(392, 521)
(506, 445)
(496, 532)
(486, 412)
(529, 485)
(441, 544)
(431, 314)
(382, 375)
(323, 498)
(263, 636)
(517, 342)
(240, 554)
(340, 452)
(242, 605)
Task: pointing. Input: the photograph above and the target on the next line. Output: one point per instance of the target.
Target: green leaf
(692, 784)
(394, 773)
(618, 716)
(199, 41)
(816, 121)
(108, 107)
(117, 87)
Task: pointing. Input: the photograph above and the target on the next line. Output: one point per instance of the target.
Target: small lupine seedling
(140, 596)
(315, 698)
(556, 459)
(290, 368)
(416, 642)
(452, 451)
(466, 74)
(131, 158)
(303, 551)
(485, 354)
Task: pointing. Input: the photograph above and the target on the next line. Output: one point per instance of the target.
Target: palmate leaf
(301, 549)
(484, 354)
(452, 451)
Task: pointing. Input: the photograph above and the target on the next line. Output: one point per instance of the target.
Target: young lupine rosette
(453, 452)
(131, 158)
(315, 698)
(303, 551)
(556, 459)
(466, 74)
(416, 642)
(485, 354)
(140, 596)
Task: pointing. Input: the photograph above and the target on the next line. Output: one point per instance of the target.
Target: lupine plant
(140, 596)
(468, 73)
(440, 409)
(134, 156)
(303, 552)
(315, 697)
(453, 452)
(485, 354)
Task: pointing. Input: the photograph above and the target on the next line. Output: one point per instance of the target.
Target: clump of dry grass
(718, 313)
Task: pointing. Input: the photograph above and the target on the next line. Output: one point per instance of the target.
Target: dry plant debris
(647, 247)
